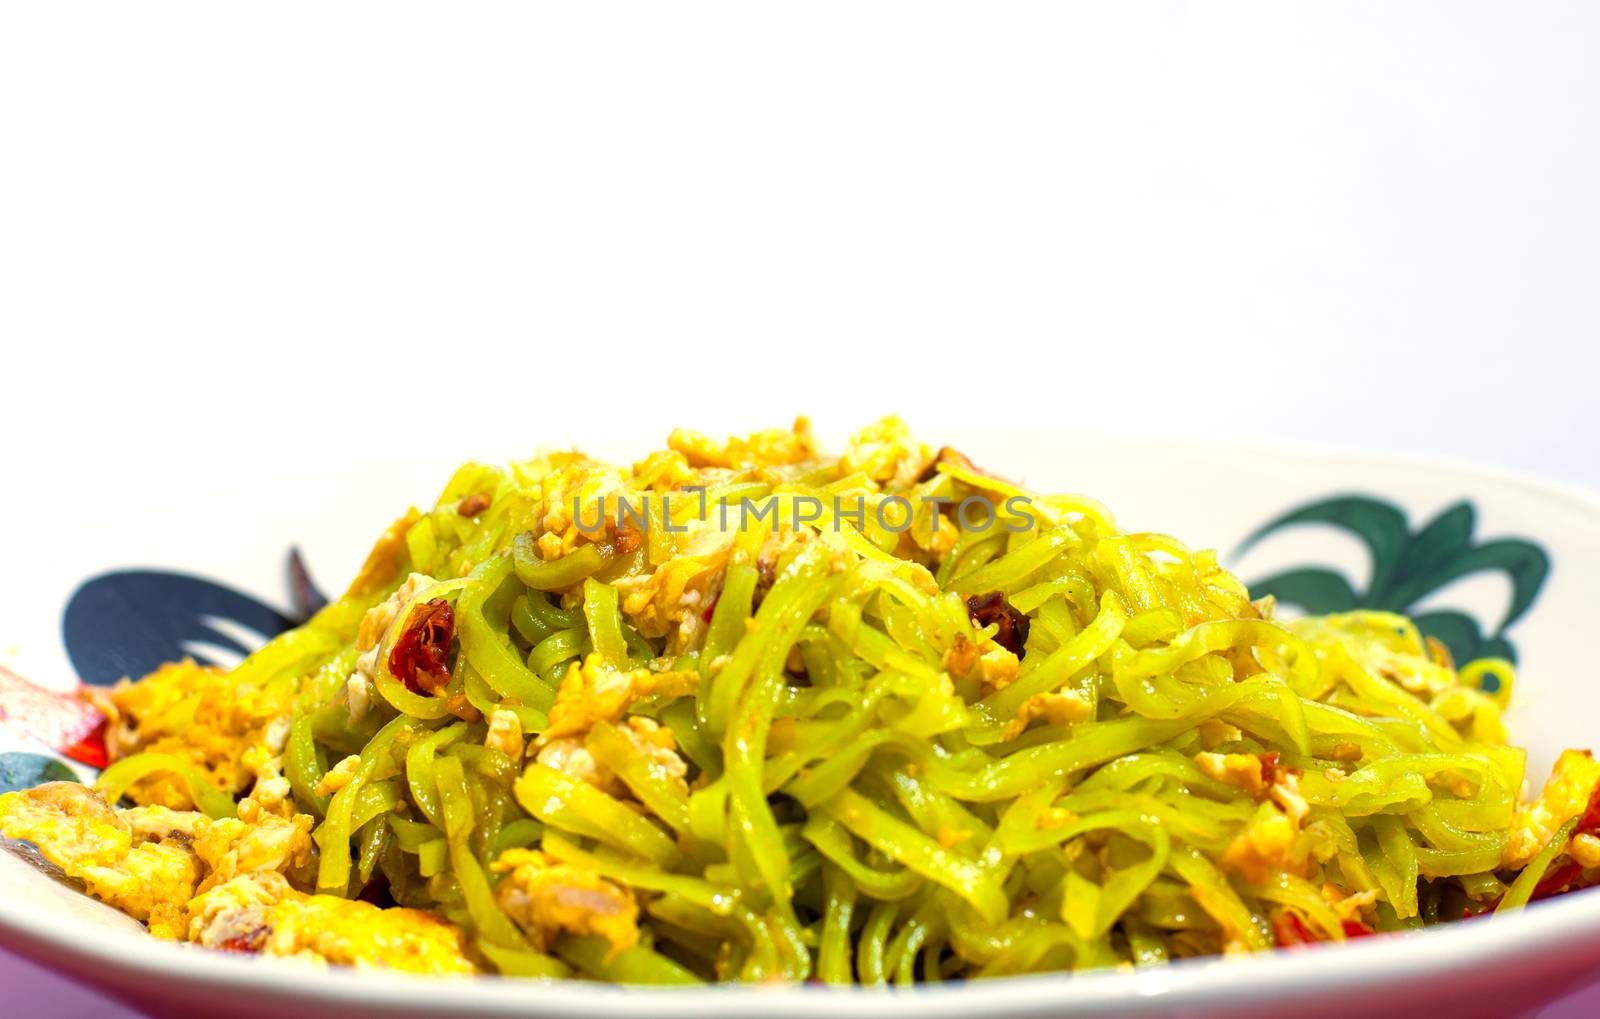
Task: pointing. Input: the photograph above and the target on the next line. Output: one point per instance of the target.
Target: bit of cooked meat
(505, 733)
(545, 897)
(627, 541)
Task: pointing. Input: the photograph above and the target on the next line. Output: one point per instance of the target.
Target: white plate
(1210, 494)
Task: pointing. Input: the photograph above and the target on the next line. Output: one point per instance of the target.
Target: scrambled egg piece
(200, 714)
(1265, 847)
(231, 847)
(145, 868)
(672, 595)
(1062, 708)
(583, 502)
(505, 733)
(261, 912)
(1566, 795)
(383, 563)
(887, 453)
(1242, 771)
(1259, 776)
(1268, 845)
(545, 897)
(996, 667)
(571, 756)
(228, 883)
(1353, 907)
(772, 447)
(593, 691)
(1585, 850)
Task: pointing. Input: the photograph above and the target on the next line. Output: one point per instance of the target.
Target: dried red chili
(419, 657)
(1291, 932)
(985, 609)
(1269, 768)
(474, 504)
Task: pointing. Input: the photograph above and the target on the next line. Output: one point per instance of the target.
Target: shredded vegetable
(747, 712)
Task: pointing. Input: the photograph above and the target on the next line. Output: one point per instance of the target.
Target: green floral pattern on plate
(1407, 566)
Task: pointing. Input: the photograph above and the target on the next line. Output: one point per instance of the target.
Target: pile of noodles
(857, 814)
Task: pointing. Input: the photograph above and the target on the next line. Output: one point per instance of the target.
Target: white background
(229, 231)
(230, 234)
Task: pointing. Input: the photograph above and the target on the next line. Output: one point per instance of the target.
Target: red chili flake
(474, 504)
(711, 607)
(1269, 768)
(1357, 929)
(1290, 931)
(984, 609)
(91, 750)
(1557, 881)
(251, 941)
(418, 658)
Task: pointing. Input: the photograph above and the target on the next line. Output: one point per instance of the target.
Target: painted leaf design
(1311, 588)
(1459, 632)
(129, 622)
(1381, 526)
(305, 598)
(1427, 557)
(1526, 564)
(1407, 567)
(19, 770)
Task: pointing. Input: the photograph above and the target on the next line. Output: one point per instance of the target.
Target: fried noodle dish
(744, 711)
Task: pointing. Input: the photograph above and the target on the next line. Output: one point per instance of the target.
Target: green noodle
(850, 794)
